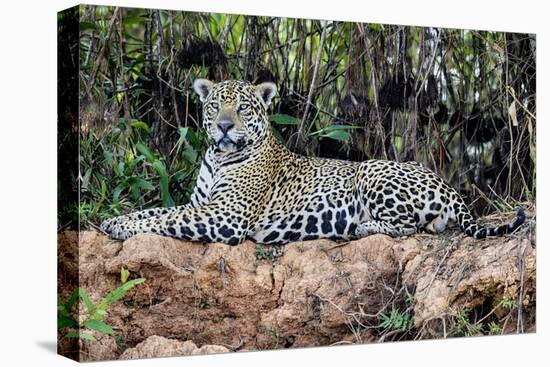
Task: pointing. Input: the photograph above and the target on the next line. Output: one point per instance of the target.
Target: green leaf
(183, 132)
(183, 137)
(116, 169)
(344, 127)
(121, 121)
(134, 20)
(336, 127)
(103, 189)
(134, 189)
(114, 296)
(375, 27)
(132, 283)
(84, 26)
(117, 191)
(99, 326)
(72, 334)
(132, 163)
(137, 73)
(190, 154)
(278, 135)
(119, 168)
(118, 293)
(71, 301)
(124, 274)
(84, 296)
(336, 132)
(143, 149)
(61, 309)
(108, 156)
(180, 176)
(86, 179)
(140, 125)
(141, 183)
(65, 321)
(80, 335)
(282, 119)
(340, 135)
(167, 200)
(193, 138)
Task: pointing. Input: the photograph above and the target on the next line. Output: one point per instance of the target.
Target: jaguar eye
(243, 107)
(214, 105)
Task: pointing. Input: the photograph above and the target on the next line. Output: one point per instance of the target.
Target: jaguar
(250, 186)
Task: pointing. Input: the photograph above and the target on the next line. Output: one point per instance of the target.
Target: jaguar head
(235, 112)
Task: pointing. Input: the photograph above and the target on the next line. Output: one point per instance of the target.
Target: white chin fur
(226, 146)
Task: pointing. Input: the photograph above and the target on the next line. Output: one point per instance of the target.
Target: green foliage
(507, 304)
(340, 133)
(462, 326)
(494, 328)
(463, 322)
(395, 320)
(81, 327)
(124, 274)
(281, 119)
(122, 172)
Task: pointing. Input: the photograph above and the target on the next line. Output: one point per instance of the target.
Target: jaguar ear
(203, 87)
(266, 92)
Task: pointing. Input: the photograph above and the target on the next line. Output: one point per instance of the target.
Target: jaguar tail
(471, 228)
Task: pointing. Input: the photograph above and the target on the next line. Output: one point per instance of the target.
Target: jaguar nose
(225, 125)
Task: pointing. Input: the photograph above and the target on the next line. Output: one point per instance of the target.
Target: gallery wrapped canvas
(233, 183)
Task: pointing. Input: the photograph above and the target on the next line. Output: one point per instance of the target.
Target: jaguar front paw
(117, 228)
(120, 233)
(109, 224)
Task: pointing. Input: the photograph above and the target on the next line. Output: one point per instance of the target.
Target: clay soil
(214, 298)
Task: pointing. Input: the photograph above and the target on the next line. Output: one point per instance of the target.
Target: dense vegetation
(460, 101)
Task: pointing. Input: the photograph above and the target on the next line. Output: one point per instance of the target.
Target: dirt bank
(200, 298)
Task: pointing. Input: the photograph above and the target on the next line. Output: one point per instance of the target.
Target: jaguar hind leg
(438, 225)
(392, 229)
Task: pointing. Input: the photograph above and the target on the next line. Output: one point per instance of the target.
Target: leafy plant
(494, 328)
(395, 320)
(160, 169)
(121, 172)
(82, 327)
(462, 326)
(507, 304)
(282, 119)
(336, 132)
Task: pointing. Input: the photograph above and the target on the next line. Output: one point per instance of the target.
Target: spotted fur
(251, 186)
